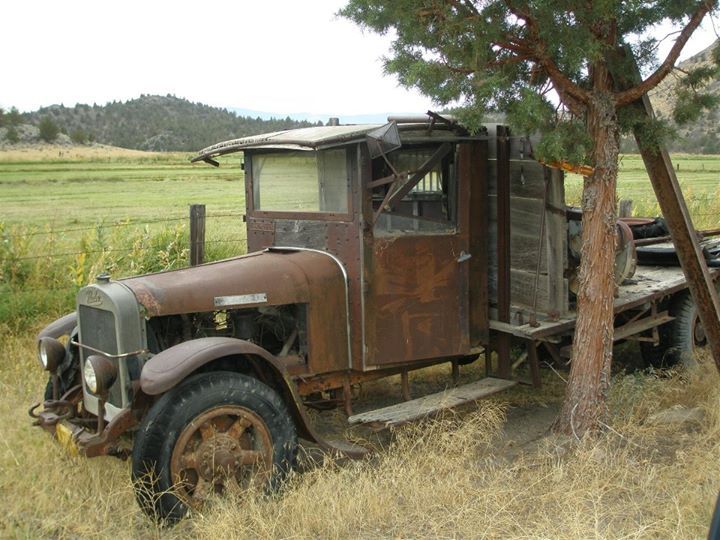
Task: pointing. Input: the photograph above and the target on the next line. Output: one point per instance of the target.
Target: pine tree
(48, 129)
(549, 64)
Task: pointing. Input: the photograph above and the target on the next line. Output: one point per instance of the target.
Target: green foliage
(517, 57)
(11, 135)
(48, 129)
(568, 141)
(79, 136)
(691, 105)
(3, 117)
(13, 117)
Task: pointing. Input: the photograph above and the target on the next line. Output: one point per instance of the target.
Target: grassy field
(699, 178)
(474, 474)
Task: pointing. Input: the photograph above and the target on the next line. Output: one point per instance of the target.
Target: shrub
(48, 129)
(79, 136)
(12, 135)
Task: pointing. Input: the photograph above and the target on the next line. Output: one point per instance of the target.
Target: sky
(279, 56)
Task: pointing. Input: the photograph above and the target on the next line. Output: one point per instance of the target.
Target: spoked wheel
(214, 433)
(225, 447)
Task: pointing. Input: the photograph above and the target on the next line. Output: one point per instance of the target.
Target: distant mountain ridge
(157, 123)
(370, 118)
(166, 123)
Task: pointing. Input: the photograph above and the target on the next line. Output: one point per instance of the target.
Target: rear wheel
(680, 339)
(217, 431)
(688, 335)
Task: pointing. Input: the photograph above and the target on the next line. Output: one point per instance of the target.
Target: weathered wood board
(532, 212)
(419, 408)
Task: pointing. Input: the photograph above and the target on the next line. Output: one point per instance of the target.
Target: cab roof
(312, 138)
(427, 126)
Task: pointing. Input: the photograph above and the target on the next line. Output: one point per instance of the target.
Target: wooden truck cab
(415, 225)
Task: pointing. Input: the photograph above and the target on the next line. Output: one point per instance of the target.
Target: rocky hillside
(154, 123)
(703, 135)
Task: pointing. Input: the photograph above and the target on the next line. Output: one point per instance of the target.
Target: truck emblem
(93, 297)
(225, 301)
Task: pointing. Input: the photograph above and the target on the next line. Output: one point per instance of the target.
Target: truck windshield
(300, 181)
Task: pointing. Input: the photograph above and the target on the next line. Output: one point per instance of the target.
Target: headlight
(90, 377)
(99, 373)
(51, 353)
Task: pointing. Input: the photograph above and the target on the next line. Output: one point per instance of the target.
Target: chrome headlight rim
(99, 374)
(51, 353)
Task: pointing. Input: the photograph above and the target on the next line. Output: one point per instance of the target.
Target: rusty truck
(373, 250)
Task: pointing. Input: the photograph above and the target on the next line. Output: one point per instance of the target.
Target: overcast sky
(281, 56)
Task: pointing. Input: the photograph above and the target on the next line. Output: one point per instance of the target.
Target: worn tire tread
(159, 430)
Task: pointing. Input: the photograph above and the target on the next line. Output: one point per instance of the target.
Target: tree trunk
(585, 399)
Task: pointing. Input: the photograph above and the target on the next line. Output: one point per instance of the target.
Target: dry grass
(446, 478)
(59, 152)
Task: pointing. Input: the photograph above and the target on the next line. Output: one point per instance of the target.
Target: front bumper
(77, 435)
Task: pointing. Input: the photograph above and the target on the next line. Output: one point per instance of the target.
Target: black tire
(686, 333)
(173, 426)
(656, 354)
(680, 339)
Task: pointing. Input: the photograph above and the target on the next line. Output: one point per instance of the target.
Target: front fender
(170, 367)
(61, 327)
(173, 365)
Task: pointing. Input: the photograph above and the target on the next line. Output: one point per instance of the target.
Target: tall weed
(35, 286)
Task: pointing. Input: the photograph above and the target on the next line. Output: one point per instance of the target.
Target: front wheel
(214, 432)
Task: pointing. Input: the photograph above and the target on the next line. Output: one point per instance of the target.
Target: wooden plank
(522, 285)
(556, 243)
(504, 220)
(523, 250)
(635, 327)
(524, 214)
(546, 330)
(425, 406)
(527, 179)
(474, 166)
(197, 234)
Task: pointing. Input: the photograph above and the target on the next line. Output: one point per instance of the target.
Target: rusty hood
(272, 277)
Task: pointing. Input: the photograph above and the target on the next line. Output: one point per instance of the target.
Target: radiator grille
(97, 330)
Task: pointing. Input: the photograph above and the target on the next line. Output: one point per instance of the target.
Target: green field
(699, 177)
(56, 195)
(64, 220)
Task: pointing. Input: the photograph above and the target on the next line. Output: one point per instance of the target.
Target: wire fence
(126, 223)
(32, 273)
(99, 227)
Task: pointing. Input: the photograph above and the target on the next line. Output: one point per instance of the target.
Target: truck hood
(276, 276)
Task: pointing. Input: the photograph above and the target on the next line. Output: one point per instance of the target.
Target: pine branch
(628, 96)
(576, 96)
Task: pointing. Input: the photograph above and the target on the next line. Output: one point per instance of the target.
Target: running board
(430, 404)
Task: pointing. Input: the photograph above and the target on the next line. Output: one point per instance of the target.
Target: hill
(154, 123)
(703, 135)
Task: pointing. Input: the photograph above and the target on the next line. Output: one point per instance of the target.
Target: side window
(414, 191)
(300, 181)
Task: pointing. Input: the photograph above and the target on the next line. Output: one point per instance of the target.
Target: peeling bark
(585, 405)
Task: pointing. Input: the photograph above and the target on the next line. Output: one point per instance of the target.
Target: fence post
(625, 208)
(197, 234)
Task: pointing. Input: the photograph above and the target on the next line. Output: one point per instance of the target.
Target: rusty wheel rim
(227, 447)
(699, 338)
